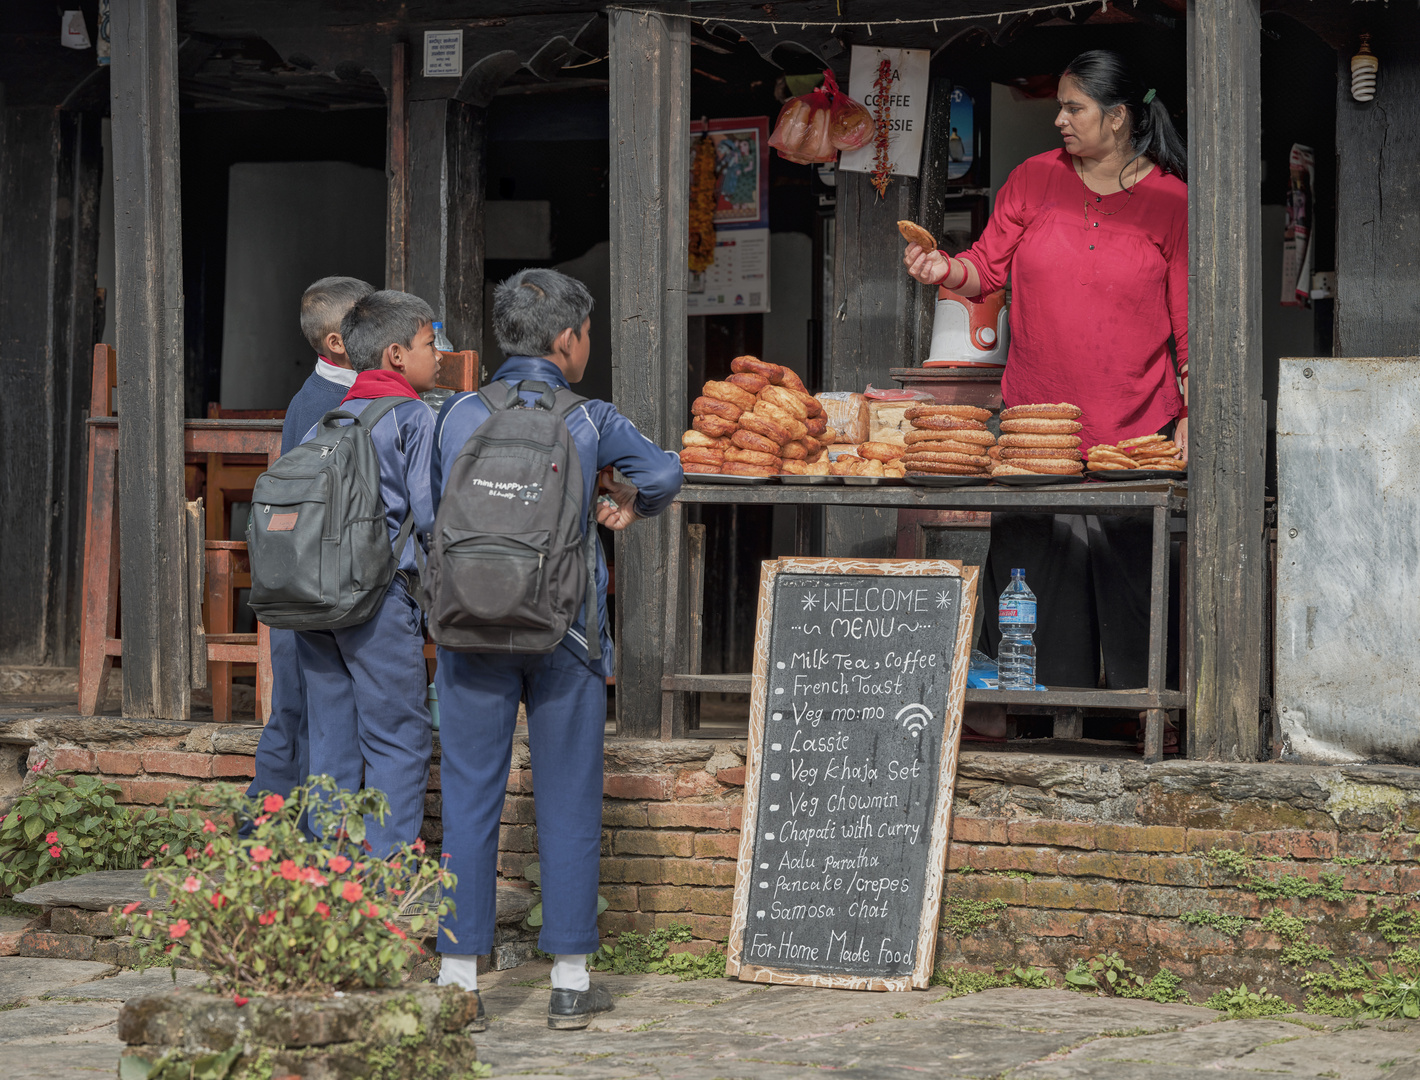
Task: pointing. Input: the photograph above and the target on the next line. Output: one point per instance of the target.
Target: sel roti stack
(1145, 452)
(755, 423)
(1040, 439)
(948, 440)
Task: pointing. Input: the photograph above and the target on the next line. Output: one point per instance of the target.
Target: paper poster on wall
(905, 105)
(741, 169)
(738, 280)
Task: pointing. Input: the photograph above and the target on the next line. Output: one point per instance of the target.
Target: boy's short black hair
(379, 320)
(533, 306)
(324, 304)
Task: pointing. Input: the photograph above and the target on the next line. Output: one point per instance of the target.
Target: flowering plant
(66, 825)
(273, 912)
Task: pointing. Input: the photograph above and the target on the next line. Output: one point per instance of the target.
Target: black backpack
(510, 564)
(316, 535)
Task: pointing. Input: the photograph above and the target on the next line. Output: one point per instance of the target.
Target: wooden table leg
(263, 673)
(99, 612)
(219, 609)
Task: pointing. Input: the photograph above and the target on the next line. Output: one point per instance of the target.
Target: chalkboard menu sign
(855, 719)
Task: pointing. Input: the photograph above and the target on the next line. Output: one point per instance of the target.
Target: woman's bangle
(965, 273)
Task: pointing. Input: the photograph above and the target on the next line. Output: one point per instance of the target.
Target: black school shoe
(568, 1010)
(480, 1018)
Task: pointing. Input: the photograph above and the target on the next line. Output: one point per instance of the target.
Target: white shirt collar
(334, 372)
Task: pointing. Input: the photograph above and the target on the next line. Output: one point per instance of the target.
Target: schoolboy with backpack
(335, 528)
(517, 606)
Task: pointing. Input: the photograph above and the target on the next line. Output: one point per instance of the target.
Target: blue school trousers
(283, 752)
(368, 712)
(478, 710)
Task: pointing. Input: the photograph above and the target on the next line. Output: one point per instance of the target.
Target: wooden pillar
(650, 196)
(1227, 428)
(397, 170)
(444, 260)
(871, 325)
(148, 315)
(50, 162)
(1378, 218)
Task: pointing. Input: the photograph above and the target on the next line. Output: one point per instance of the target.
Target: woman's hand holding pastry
(928, 267)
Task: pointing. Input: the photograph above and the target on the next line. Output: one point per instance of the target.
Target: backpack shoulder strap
(374, 412)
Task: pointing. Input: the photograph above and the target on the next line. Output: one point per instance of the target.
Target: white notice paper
(907, 106)
(443, 53)
(738, 279)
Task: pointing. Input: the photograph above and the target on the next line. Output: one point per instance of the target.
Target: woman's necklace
(1129, 191)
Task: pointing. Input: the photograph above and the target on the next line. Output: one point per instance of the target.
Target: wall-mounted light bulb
(1364, 69)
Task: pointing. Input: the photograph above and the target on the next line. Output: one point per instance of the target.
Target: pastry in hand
(914, 233)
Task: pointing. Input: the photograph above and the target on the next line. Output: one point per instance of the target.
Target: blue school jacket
(603, 437)
(322, 391)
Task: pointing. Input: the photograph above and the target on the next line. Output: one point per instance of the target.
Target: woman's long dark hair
(1106, 78)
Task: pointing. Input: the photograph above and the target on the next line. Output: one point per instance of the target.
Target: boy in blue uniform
(366, 690)
(542, 320)
(282, 754)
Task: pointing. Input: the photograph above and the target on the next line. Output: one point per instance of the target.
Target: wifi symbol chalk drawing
(914, 718)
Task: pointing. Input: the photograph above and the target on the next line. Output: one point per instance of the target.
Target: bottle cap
(438, 326)
(1018, 570)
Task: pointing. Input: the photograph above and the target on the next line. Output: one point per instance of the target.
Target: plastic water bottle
(1015, 659)
(441, 342)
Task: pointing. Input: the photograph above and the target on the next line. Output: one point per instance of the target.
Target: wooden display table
(1165, 503)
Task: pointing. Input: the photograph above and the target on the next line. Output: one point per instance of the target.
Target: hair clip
(1149, 96)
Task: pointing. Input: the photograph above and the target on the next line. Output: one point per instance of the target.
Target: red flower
(179, 928)
(353, 891)
(312, 876)
(367, 845)
(129, 909)
(267, 919)
(52, 838)
(273, 803)
(207, 825)
(208, 850)
(163, 849)
(55, 851)
(260, 854)
(323, 909)
(288, 870)
(148, 863)
(396, 931)
(189, 853)
(340, 864)
(40, 764)
(370, 911)
(447, 855)
(396, 866)
(418, 845)
(262, 819)
(218, 899)
(190, 885)
(239, 1001)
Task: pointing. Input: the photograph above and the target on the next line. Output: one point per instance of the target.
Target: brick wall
(1057, 857)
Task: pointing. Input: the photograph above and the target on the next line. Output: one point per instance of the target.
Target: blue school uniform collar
(536, 368)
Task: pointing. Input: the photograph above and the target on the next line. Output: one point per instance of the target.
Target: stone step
(104, 889)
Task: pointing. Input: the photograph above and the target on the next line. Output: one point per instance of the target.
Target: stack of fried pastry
(949, 440)
(1039, 439)
(755, 423)
(866, 459)
(1145, 452)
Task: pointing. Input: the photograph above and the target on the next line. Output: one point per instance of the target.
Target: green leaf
(533, 872)
(133, 1068)
(601, 903)
(535, 915)
(33, 827)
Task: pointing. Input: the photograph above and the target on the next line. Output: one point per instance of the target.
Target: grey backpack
(510, 564)
(316, 535)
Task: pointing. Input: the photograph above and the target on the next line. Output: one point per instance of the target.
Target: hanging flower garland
(702, 206)
(882, 113)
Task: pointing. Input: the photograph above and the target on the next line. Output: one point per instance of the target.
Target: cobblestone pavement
(58, 1022)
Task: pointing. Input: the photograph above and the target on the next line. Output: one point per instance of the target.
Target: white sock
(569, 972)
(458, 971)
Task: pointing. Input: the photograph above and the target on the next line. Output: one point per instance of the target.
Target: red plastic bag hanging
(815, 126)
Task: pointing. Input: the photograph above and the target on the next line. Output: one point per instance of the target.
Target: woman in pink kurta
(1094, 240)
